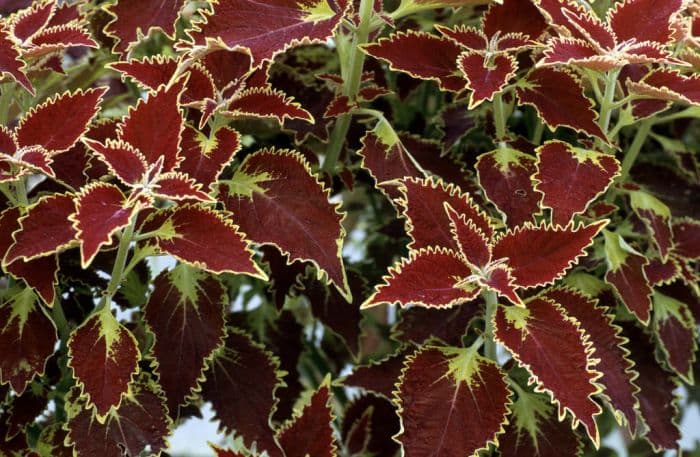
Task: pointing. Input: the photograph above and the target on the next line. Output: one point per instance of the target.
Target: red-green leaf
(547, 90)
(428, 277)
(101, 210)
(279, 25)
(27, 338)
(225, 452)
(266, 102)
(452, 402)
(626, 276)
(551, 346)
(505, 175)
(383, 425)
(610, 347)
(500, 279)
(486, 78)
(574, 51)
(570, 178)
(185, 312)
(676, 329)
(311, 433)
(44, 230)
(123, 161)
(534, 430)
(154, 126)
(240, 384)
(141, 423)
(276, 200)
(205, 158)
(656, 217)
(625, 19)
(428, 224)
(556, 248)
(58, 123)
(134, 19)
(10, 62)
(104, 356)
(185, 232)
(52, 40)
(431, 57)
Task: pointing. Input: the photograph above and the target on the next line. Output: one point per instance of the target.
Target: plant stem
(499, 116)
(59, 318)
(119, 264)
(539, 131)
(489, 342)
(21, 192)
(633, 151)
(607, 105)
(352, 85)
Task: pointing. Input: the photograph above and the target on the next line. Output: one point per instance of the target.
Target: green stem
(692, 111)
(539, 131)
(633, 151)
(607, 106)
(119, 264)
(499, 116)
(59, 318)
(7, 93)
(352, 85)
(21, 191)
(489, 342)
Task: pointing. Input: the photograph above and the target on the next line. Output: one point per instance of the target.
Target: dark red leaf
(134, 19)
(610, 348)
(141, 423)
(381, 377)
(557, 248)
(279, 25)
(486, 77)
(179, 186)
(505, 176)
(677, 333)
(417, 324)
(104, 356)
(626, 276)
(27, 338)
(58, 123)
(240, 384)
(266, 102)
(547, 90)
(667, 84)
(272, 190)
(534, 430)
(657, 402)
(101, 210)
(570, 178)
(552, 348)
(185, 232)
(472, 242)
(464, 395)
(626, 16)
(431, 57)
(40, 273)
(205, 158)
(30, 20)
(123, 161)
(428, 277)
(376, 438)
(311, 433)
(428, 224)
(58, 38)
(45, 229)
(686, 235)
(154, 126)
(185, 312)
(10, 62)
(514, 16)
(386, 162)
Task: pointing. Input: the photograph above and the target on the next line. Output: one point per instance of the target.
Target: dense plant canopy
(440, 228)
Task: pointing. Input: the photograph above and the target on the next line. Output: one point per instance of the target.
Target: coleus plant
(354, 228)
